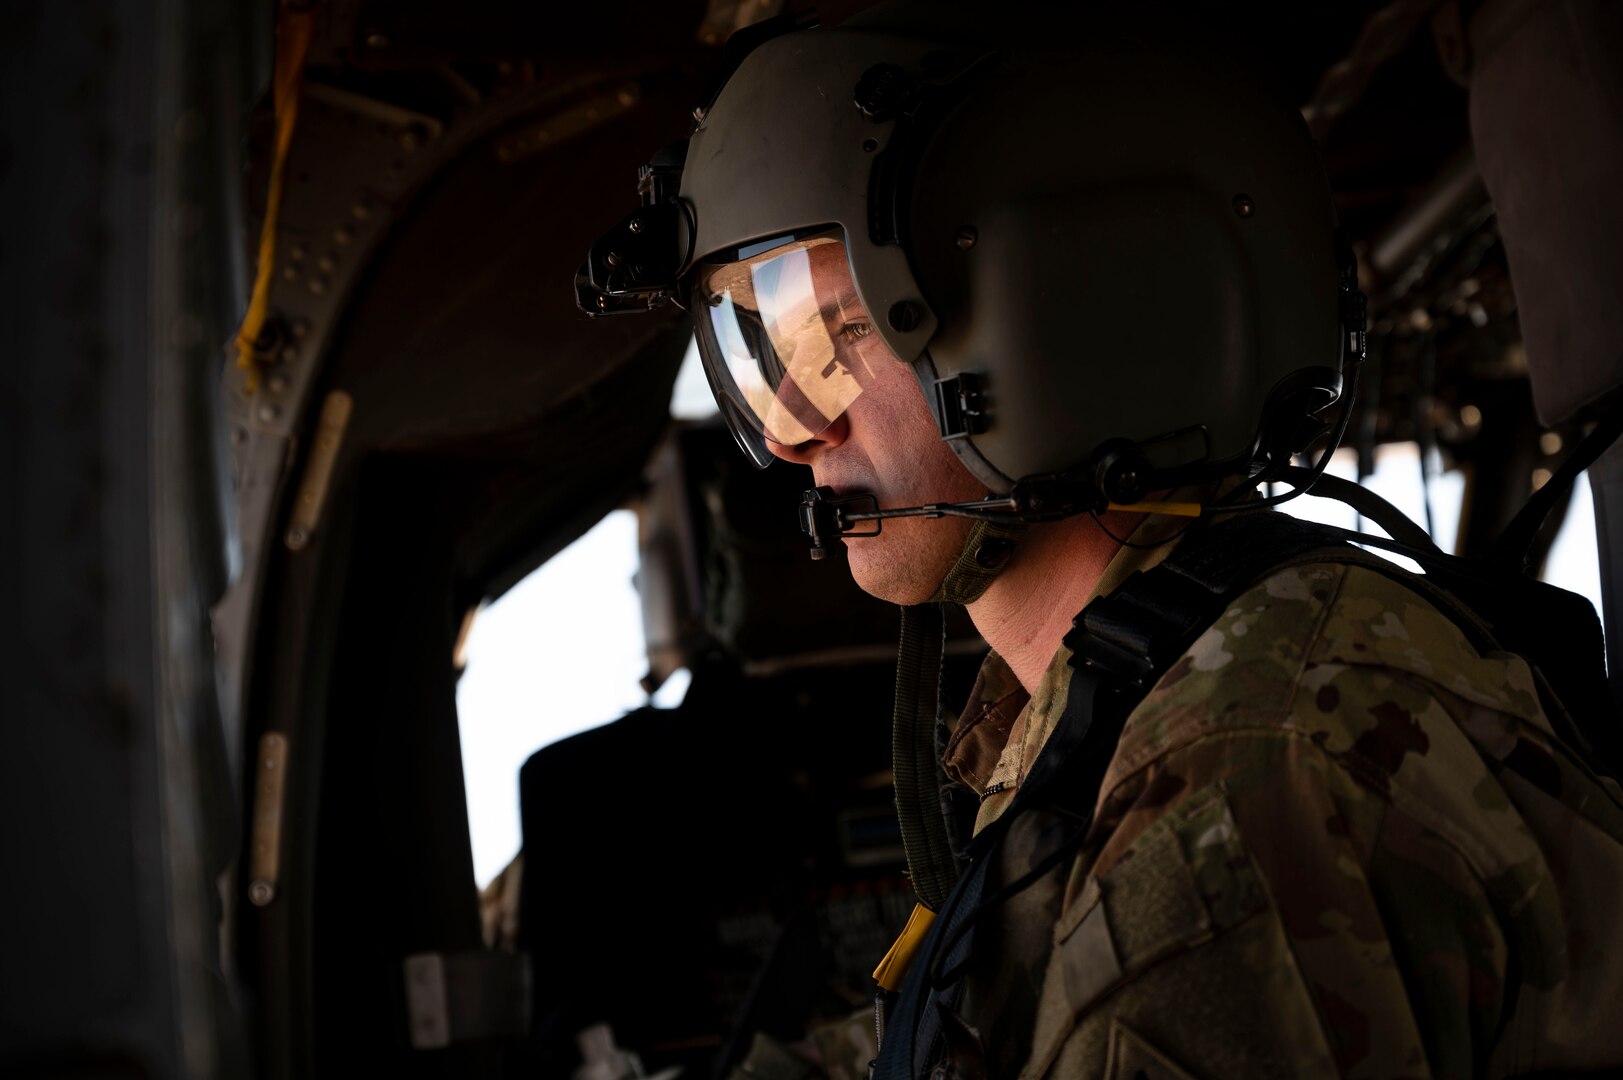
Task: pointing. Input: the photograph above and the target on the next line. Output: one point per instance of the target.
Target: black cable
(1226, 506)
(1371, 506)
(1510, 549)
(1420, 418)
(938, 978)
(1364, 441)
(1099, 521)
(1317, 471)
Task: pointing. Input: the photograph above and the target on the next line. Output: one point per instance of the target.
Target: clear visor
(785, 342)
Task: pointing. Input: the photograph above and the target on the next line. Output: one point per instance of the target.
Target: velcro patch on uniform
(1186, 879)
(1133, 1058)
(1220, 865)
(1094, 966)
(1152, 899)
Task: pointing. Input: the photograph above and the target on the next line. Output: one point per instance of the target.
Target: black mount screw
(881, 92)
(994, 552)
(905, 316)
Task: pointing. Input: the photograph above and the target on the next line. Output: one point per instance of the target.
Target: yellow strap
(294, 29)
(894, 966)
(1178, 509)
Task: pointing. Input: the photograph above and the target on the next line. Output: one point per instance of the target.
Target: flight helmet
(1107, 252)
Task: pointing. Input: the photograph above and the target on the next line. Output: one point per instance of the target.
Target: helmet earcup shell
(1153, 248)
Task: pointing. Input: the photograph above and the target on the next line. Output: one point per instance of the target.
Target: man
(1012, 300)
(886, 443)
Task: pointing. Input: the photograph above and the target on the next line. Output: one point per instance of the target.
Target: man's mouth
(842, 489)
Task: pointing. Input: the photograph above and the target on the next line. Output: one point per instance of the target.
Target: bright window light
(1397, 480)
(558, 653)
(692, 399)
(1573, 563)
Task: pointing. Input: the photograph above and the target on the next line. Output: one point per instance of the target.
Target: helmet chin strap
(985, 553)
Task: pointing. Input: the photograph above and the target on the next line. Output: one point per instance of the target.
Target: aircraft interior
(257, 801)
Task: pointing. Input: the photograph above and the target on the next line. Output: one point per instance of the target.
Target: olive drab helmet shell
(784, 150)
(1075, 234)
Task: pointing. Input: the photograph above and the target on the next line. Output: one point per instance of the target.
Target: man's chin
(880, 572)
(872, 578)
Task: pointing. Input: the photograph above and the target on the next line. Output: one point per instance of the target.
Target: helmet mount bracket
(960, 405)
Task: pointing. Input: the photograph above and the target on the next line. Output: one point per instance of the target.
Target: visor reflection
(788, 340)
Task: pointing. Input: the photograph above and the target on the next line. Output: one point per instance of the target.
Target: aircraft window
(560, 652)
(692, 399)
(1397, 480)
(1573, 562)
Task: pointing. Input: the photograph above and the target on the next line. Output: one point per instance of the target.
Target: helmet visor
(785, 341)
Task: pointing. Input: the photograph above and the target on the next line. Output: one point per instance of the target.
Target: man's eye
(852, 331)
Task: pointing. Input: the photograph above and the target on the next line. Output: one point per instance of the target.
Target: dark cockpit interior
(246, 569)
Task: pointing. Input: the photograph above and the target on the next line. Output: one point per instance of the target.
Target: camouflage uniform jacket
(1333, 841)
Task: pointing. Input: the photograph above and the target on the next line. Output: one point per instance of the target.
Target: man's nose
(804, 453)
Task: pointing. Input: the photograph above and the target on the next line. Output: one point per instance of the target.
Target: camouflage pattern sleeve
(1335, 841)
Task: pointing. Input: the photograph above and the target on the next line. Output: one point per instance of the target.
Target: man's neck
(1027, 611)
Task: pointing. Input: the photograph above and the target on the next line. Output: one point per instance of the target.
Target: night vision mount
(636, 266)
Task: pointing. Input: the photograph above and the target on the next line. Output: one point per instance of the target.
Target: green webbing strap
(913, 753)
(915, 756)
(984, 555)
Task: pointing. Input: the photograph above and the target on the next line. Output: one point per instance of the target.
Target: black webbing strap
(1121, 644)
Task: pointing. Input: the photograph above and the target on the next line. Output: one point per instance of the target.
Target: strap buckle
(1132, 634)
